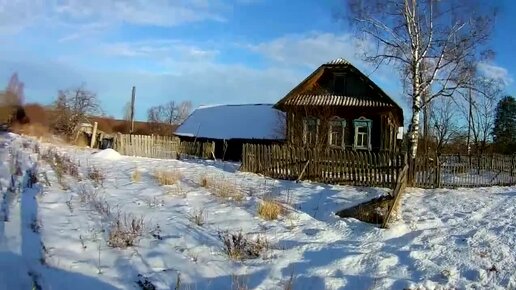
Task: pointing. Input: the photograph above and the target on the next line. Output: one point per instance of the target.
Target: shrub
(96, 176)
(269, 209)
(167, 177)
(198, 217)
(125, 231)
(239, 247)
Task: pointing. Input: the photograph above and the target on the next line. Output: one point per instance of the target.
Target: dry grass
(96, 176)
(81, 141)
(35, 130)
(136, 176)
(239, 247)
(222, 188)
(204, 181)
(270, 209)
(168, 177)
(198, 217)
(125, 231)
(61, 164)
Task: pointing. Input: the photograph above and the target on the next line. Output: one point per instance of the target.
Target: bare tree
(183, 111)
(72, 108)
(432, 43)
(16, 88)
(162, 117)
(444, 122)
(482, 117)
(11, 99)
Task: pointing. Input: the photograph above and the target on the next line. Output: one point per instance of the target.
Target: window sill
(361, 148)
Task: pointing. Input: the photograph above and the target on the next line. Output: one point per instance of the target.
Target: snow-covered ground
(54, 237)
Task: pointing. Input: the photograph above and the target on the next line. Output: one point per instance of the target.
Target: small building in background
(230, 126)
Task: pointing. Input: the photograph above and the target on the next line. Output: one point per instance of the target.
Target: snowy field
(56, 234)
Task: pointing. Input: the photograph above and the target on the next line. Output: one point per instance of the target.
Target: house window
(310, 129)
(336, 134)
(362, 133)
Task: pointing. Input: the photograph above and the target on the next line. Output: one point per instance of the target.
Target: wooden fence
(163, 147)
(147, 146)
(327, 166)
(199, 149)
(464, 171)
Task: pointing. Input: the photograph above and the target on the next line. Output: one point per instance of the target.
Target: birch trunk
(414, 127)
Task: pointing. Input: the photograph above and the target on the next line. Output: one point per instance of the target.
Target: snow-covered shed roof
(224, 122)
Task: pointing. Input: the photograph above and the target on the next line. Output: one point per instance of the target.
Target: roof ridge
(339, 60)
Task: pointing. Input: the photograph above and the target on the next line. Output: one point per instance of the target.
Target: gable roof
(224, 122)
(297, 97)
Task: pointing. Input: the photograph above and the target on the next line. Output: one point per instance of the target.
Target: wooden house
(337, 106)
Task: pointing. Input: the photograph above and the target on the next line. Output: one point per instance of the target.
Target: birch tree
(432, 43)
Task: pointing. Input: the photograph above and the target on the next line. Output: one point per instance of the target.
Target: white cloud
(177, 70)
(312, 49)
(204, 83)
(15, 15)
(495, 72)
(157, 12)
(160, 50)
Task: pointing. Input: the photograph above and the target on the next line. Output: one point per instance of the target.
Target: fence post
(437, 181)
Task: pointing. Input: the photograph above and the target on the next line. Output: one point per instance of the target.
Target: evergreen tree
(504, 132)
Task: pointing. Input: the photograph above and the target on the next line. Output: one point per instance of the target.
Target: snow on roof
(254, 121)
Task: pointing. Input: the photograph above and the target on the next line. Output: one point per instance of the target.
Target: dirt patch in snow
(373, 211)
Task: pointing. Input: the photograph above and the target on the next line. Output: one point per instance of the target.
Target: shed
(230, 126)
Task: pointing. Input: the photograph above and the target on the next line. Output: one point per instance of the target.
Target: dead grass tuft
(198, 217)
(96, 176)
(167, 177)
(136, 175)
(239, 247)
(270, 209)
(203, 182)
(125, 231)
(222, 188)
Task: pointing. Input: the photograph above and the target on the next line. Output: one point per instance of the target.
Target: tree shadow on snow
(30, 265)
(322, 201)
(230, 167)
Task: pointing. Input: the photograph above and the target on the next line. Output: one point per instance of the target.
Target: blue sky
(209, 52)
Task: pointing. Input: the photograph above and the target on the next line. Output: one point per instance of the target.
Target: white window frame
(330, 131)
(305, 129)
(361, 123)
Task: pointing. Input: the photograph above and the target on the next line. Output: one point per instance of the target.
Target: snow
(108, 154)
(255, 121)
(443, 239)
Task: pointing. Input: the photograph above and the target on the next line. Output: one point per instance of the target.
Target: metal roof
(337, 61)
(336, 100)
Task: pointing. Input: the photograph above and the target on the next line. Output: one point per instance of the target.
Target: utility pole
(133, 96)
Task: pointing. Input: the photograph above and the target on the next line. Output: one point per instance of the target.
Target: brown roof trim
(313, 77)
